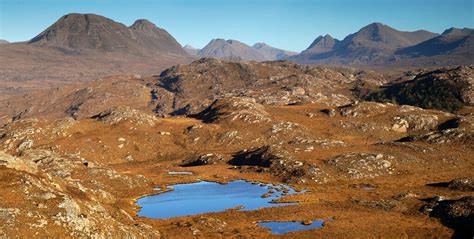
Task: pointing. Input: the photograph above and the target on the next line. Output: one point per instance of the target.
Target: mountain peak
(231, 41)
(383, 37)
(187, 46)
(321, 44)
(81, 32)
(259, 45)
(143, 24)
(458, 31)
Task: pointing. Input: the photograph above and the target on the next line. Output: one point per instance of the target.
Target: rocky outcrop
(457, 214)
(67, 194)
(125, 114)
(462, 184)
(204, 159)
(280, 164)
(446, 89)
(459, 130)
(235, 108)
(414, 122)
(362, 165)
(17, 163)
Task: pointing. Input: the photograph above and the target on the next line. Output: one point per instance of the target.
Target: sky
(286, 24)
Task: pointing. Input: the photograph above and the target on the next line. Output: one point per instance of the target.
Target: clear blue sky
(288, 24)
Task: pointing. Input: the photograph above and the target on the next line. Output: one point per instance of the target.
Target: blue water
(180, 173)
(204, 197)
(280, 228)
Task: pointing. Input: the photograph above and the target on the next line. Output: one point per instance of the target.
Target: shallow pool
(280, 228)
(204, 197)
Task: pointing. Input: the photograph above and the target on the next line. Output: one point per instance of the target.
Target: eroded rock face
(120, 114)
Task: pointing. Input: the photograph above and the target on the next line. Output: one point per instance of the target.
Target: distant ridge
(453, 40)
(272, 53)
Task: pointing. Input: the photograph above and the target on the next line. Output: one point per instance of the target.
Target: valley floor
(82, 177)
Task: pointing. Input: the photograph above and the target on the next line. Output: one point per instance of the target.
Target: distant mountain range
(236, 50)
(82, 47)
(378, 44)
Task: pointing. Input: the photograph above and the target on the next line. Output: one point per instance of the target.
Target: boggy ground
(364, 174)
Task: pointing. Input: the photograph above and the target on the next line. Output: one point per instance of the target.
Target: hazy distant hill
(3, 41)
(272, 53)
(230, 49)
(191, 50)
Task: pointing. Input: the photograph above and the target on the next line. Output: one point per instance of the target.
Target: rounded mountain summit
(93, 32)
